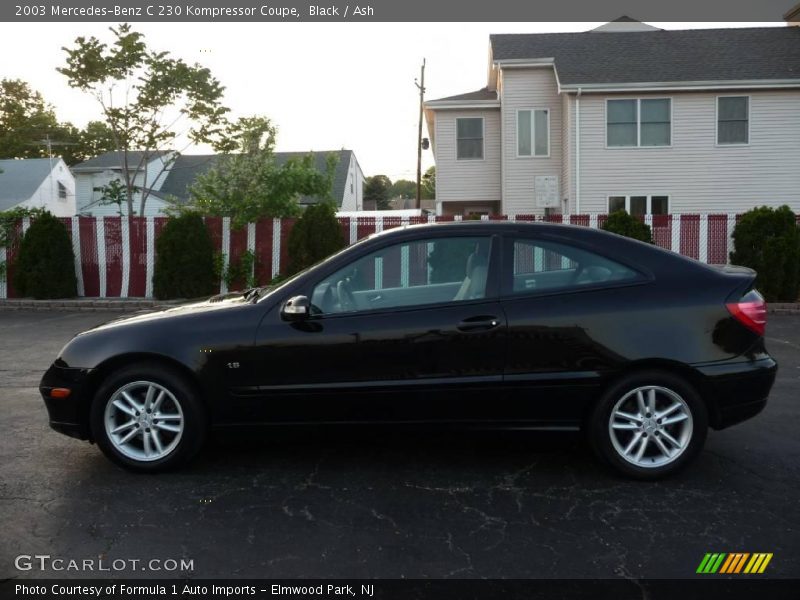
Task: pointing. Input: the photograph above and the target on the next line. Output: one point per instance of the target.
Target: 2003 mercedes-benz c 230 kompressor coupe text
(495, 324)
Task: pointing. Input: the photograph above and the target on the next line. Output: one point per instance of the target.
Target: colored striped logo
(734, 562)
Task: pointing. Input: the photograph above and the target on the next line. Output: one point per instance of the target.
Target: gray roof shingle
(481, 94)
(113, 160)
(19, 179)
(186, 168)
(755, 53)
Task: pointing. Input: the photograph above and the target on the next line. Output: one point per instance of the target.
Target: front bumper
(738, 391)
(69, 415)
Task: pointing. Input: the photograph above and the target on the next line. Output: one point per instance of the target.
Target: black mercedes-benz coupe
(490, 324)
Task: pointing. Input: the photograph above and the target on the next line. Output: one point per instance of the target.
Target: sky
(325, 85)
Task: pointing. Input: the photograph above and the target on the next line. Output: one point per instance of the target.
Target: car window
(407, 274)
(539, 265)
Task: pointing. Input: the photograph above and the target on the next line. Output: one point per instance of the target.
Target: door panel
(409, 332)
(407, 365)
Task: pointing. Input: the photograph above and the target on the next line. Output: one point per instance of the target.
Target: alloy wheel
(650, 426)
(144, 421)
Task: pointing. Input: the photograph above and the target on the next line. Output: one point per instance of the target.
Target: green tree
(147, 99)
(376, 189)
(115, 193)
(46, 265)
(250, 185)
(9, 238)
(403, 188)
(621, 223)
(316, 235)
(185, 265)
(95, 139)
(768, 240)
(429, 184)
(25, 120)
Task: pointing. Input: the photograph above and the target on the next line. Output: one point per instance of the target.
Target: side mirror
(296, 308)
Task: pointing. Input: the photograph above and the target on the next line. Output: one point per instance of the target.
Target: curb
(88, 304)
(783, 308)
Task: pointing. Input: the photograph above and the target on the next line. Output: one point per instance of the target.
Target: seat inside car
(474, 284)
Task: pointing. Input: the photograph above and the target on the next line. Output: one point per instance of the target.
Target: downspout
(578, 152)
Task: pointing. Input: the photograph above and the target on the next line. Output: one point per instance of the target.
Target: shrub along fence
(115, 257)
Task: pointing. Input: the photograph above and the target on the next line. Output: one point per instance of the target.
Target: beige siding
(467, 180)
(567, 147)
(522, 89)
(698, 175)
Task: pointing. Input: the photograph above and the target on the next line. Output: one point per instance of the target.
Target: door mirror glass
(296, 308)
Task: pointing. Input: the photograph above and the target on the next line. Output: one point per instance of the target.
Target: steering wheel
(347, 301)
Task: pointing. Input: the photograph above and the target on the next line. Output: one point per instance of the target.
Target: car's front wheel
(649, 424)
(146, 417)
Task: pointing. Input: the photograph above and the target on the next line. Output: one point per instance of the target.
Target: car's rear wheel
(649, 424)
(146, 417)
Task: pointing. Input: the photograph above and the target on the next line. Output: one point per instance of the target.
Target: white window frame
(61, 186)
(483, 139)
(533, 132)
(639, 122)
(749, 120)
(649, 197)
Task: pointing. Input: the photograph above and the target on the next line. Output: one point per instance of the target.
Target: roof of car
(592, 236)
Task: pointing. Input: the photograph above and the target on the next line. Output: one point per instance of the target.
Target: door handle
(479, 323)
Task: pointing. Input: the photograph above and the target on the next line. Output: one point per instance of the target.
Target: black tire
(600, 437)
(193, 414)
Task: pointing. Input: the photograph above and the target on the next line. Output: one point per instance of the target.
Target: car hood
(214, 304)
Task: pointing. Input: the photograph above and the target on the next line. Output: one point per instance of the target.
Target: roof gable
(19, 179)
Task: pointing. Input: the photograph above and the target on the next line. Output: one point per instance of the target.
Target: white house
(168, 177)
(37, 183)
(625, 116)
(149, 171)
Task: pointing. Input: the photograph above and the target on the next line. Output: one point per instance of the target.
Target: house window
(533, 132)
(469, 138)
(639, 205)
(62, 191)
(639, 122)
(733, 120)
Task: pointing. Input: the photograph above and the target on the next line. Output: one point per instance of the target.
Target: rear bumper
(70, 415)
(738, 391)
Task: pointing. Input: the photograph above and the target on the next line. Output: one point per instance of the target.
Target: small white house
(168, 177)
(37, 183)
(148, 170)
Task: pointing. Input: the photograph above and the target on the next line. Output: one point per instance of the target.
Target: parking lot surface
(400, 504)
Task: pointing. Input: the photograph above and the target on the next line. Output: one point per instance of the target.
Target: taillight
(750, 311)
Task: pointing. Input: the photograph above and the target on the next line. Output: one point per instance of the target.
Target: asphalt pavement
(344, 504)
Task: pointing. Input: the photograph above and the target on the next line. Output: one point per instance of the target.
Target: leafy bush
(767, 240)
(620, 222)
(46, 265)
(241, 274)
(316, 235)
(185, 260)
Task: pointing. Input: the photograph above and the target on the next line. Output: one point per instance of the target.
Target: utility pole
(421, 86)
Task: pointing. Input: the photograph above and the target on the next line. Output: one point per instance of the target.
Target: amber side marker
(60, 392)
